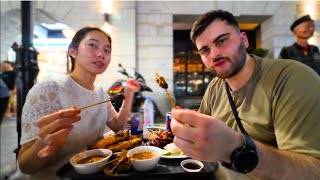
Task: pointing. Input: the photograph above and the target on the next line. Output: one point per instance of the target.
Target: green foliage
(261, 52)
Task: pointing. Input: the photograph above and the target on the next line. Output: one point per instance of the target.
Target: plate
(174, 156)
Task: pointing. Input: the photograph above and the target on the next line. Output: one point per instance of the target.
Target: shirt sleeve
(41, 100)
(296, 103)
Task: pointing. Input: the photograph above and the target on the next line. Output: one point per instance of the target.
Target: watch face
(245, 161)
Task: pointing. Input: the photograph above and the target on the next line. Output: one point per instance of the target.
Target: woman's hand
(55, 128)
(203, 137)
(131, 87)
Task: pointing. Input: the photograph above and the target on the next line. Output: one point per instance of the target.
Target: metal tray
(166, 169)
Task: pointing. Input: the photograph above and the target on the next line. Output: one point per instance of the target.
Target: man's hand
(203, 137)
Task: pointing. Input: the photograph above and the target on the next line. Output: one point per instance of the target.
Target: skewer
(95, 104)
(118, 97)
(162, 83)
(170, 99)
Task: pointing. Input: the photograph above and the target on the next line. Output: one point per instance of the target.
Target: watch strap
(245, 158)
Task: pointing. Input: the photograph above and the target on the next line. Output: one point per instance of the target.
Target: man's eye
(221, 41)
(204, 51)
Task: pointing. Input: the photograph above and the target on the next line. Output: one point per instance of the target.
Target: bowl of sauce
(90, 161)
(144, 158)
(191, 165)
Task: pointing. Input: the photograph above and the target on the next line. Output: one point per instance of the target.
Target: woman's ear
(73, 52)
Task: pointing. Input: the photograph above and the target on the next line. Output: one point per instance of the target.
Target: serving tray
(166, 169)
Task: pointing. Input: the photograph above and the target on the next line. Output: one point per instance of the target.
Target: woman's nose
(100, 53)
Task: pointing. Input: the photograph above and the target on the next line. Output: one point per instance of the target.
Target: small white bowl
(145, 164)
(193, 162)
(93, 167)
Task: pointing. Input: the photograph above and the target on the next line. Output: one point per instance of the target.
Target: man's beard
(236, 65)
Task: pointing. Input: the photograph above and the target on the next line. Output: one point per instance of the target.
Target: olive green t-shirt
(279, 106)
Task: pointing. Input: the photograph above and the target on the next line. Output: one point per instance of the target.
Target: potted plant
(261, 52)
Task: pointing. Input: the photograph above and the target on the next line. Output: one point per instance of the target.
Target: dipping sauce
(91, 159)
(143, 155)
(191, 165)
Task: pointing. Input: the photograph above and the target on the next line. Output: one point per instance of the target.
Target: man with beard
(259, 117)
(303, 29)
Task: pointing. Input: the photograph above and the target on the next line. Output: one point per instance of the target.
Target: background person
(303, 29)
(277, 107)
(52, 128)
(9, 77)
(4, 99)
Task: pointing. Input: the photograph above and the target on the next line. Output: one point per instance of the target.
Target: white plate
(174, 157)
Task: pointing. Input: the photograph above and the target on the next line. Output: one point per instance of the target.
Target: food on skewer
(160, 138)
(120, 164)
(125, 145)
(111, 140)
(162, 83)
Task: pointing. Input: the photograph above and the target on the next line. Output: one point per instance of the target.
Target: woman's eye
(107, 50)
(93, 45)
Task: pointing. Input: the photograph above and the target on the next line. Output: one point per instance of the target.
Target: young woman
(53, 126)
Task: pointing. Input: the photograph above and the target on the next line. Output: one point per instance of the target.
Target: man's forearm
(277, 164)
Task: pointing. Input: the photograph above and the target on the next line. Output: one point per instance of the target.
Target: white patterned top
(54, 94)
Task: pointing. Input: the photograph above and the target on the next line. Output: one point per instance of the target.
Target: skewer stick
(118, 97)
(170, 99)
(95, 104)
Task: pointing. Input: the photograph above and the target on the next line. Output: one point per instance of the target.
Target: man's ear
(72, 52)
(244, 38)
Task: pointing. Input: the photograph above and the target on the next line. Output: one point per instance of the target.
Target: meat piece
(110, 140)
(125, 145)
(161, 81)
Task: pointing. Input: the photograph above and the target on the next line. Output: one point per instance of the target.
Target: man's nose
(215, 52)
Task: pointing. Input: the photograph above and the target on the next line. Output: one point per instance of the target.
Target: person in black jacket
(9, 77)
(303, 29)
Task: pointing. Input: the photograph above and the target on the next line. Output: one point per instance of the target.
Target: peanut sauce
(143, 155)
(91, 159)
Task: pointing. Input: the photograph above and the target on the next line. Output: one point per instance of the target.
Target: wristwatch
(245, 158)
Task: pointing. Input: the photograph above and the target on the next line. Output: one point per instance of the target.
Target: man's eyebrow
(219, 37)
(215, 40)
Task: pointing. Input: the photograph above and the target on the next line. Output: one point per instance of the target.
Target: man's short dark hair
(205, 20)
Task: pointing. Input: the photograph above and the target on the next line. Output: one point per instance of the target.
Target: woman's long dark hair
(77, 38)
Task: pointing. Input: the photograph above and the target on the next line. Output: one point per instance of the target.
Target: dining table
(167, 168)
